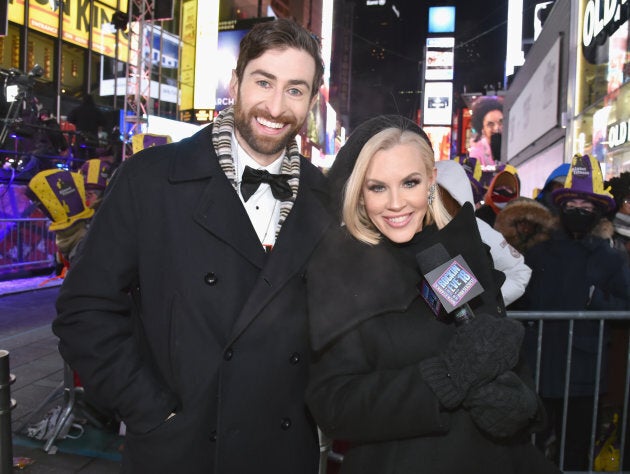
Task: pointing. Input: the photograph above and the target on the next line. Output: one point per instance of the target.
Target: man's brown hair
(280, 34)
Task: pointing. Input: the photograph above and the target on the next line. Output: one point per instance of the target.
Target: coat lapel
(301, 232)
(219, 210)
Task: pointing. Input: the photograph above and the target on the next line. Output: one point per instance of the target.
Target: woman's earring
(431, 194)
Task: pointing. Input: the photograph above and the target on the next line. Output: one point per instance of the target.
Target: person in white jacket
(453, 181)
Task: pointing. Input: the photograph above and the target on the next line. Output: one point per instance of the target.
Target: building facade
(571, 96)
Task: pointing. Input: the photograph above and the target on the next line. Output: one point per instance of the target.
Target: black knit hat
(347, 156)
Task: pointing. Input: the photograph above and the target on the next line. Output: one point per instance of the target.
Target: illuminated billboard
(439, 59)
(438, 103)
(228, 45)
(164, 54)
(228, 48)
(442, 19)
(440, 138)
(44, 17)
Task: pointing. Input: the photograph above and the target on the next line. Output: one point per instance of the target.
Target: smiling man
(185, 313)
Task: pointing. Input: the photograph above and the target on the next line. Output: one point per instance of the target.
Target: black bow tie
(252, 178)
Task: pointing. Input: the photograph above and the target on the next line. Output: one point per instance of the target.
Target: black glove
(480, 350)
(503, 407)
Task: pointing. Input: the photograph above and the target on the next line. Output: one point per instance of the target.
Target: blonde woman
(411, 391)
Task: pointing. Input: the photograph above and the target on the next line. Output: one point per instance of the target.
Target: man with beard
(575, 269)
(185, 312)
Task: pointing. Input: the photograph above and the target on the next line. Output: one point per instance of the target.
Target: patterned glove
(503, 407)
(480, 350)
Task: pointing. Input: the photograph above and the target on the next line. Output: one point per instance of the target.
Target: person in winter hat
(60, 194)
(554, 181)
(504, 187)
(408, 388)
(452, 179)
(583, 189)
(574, 270)
(474, 173)
(96, 174)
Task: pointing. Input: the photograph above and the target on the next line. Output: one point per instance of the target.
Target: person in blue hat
(575, 269)
(554, 181)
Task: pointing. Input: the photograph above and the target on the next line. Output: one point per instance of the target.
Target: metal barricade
(26, 244)
(601, 317)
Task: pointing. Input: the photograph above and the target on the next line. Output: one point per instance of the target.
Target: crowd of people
(235, 307)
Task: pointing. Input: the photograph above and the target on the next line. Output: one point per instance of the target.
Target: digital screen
(229, 43)
(438, 103)
(439, 59)
(12, 92)
(442, 19)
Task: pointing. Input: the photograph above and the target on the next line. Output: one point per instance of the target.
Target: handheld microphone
(448, 284)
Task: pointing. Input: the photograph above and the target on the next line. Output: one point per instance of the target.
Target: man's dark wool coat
(215, 330)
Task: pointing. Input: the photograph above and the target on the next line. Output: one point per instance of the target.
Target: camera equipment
(19, 87)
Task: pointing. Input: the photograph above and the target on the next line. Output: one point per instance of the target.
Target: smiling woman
(412, 390)
(394, 182)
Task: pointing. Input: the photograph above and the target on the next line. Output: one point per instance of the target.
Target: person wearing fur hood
(524, 222)
(452, 180)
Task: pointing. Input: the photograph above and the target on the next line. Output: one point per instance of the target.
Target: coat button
(210, 279)
(285, 424)
(295, 358)
(213, 436)
(227, 355)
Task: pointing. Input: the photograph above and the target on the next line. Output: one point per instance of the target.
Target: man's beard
(264, 145)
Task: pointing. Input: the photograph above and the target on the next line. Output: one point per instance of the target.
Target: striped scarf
(222, 140)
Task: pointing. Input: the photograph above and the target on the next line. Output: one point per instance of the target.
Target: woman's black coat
(370, 330)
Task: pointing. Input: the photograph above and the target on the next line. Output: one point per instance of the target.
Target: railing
(25, 245)
(539, 318)
(601, 317)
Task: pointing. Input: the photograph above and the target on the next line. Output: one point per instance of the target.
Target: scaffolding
(138, 70)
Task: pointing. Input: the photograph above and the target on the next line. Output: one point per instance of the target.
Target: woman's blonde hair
(353, 207)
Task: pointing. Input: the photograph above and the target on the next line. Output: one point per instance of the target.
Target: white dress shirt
(262, 208)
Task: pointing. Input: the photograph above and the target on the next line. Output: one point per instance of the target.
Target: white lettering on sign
(602, 16)
(618, 134)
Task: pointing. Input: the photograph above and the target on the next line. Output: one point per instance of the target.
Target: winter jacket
(573, 275)
(524, 222)
(452, 177)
